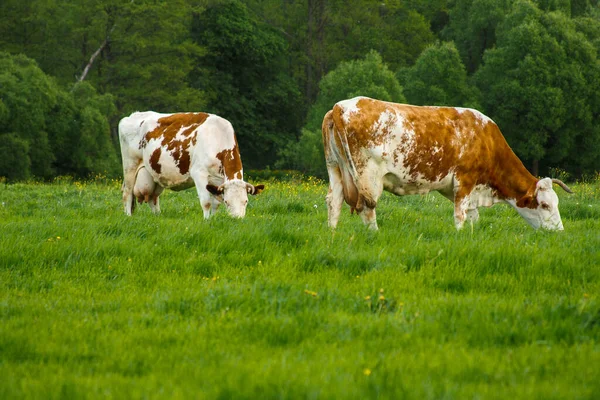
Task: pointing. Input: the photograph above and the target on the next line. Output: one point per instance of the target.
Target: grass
(94, 304)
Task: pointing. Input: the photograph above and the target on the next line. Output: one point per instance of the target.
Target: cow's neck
(231, 164)
(510, 178)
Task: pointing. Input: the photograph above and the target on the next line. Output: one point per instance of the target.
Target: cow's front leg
(206, 198)
(461, 204)
(335, 196)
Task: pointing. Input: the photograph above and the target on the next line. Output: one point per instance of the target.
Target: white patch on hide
(482, 196)
(350, 107)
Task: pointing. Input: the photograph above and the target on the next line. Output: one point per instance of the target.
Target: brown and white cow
(178, 151)
(372, 145)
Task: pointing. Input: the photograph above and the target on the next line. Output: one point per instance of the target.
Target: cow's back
(415, 149)
(133, 128)
(428, 140)
(175, 145)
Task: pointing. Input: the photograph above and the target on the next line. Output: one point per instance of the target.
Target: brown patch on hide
(231, 162)
(184, 124)
(154, 158)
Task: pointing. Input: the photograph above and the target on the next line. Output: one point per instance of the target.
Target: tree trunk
(535, 167)
(92, 59)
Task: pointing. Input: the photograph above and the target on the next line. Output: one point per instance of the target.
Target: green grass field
(94, 304)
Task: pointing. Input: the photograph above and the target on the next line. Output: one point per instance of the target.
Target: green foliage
(94, 304)
(324, 33)
(540, 85)
(563, 6)
(96, 151)
(244, 76)
(472, 27)
(149, 56)
(259, 63)
(435, 11)
(145, 49)
(438, 78)
(28, 96)
(367, 77)
(52, 130)
(397, 32)
(15, 164)
(305, 155)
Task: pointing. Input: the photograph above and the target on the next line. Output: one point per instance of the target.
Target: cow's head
(234, 194)
(539, 206)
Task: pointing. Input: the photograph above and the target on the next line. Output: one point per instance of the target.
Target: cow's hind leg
(154, 202)
(130, 165)
(335, 196)
(369, 191)
(127, 188)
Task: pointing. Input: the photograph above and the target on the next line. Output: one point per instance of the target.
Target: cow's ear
(254, 190)
(525, 201)
(258, 189)
(217, 191)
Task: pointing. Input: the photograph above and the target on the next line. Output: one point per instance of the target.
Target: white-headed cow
(178, 151)
(372, 145)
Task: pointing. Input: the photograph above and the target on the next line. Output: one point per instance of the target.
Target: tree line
(70, 71)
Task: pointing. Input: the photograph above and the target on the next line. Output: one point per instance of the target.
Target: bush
(14, 162)
(368, 77)
(52, 131)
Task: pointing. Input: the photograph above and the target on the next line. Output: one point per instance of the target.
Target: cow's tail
(364, 196)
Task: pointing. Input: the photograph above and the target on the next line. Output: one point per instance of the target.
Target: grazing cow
(372, 145)
(178, 151)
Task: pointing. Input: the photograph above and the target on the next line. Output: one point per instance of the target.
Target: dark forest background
(69, 71)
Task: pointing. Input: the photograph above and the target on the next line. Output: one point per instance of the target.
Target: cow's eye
(546, 206)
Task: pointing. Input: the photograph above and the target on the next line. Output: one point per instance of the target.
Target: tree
(367, 77)
(438, 78)
(398, 33)
(472, 28)
(46, 130)
(28, 95)
(15, 164)
(243, 75)
(79, 131)
(541, 84)
(139, 51)
(434, 11)
(324, 33)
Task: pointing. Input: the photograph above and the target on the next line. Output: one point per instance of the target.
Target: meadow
(94, 304)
